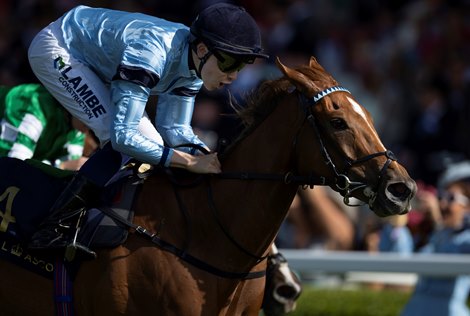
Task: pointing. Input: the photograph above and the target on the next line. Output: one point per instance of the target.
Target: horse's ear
(298, 79)
(314, 64)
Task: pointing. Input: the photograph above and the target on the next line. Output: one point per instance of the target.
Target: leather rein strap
(288, 178)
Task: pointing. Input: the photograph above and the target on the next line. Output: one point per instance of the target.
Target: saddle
(28, 190)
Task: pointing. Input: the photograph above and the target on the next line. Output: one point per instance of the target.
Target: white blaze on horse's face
(358, 109)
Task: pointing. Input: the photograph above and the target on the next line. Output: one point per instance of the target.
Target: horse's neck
(269, 147)
(249, 211)
(261, 205)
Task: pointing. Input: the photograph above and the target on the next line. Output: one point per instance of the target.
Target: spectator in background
(425, 215)
(395, 236)
(316, 219)
(391, 235)
(435, 296)
(35, 126)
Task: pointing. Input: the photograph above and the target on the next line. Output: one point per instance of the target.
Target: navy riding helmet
(230, 30)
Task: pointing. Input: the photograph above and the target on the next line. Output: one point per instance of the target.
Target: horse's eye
(338, 124)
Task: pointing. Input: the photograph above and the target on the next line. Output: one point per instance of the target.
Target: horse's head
(338, 128)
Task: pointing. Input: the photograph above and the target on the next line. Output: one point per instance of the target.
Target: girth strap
(63, 288)
(164, 245)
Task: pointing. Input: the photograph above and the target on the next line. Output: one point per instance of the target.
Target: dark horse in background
(302, 129)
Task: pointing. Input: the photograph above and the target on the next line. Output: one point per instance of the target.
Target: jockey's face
(212, 76)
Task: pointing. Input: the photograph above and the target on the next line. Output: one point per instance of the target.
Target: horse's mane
(261, 101)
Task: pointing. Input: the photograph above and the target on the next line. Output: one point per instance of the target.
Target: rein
(141, 231)
(288, 178)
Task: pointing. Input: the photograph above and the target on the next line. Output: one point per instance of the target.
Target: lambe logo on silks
(79, 91)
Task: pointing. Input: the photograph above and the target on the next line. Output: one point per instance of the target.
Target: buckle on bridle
(342, 182)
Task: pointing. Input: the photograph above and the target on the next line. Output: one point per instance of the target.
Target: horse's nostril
(399, 190)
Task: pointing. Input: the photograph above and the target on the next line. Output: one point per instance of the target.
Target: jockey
(34, 126)
(102, 65)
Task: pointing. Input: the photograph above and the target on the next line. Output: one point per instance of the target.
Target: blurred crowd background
(407, 62)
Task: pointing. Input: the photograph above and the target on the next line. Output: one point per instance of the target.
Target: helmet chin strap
(202, 62)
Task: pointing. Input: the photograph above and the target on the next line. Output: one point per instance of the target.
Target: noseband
(341, 180)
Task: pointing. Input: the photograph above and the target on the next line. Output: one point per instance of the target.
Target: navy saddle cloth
(26, 195)
(27, 192)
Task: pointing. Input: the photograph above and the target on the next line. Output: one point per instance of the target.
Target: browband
(320, 95)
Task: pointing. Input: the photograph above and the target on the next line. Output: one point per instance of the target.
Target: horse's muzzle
(394, 197)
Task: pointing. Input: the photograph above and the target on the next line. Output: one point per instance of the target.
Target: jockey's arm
(130, 100)
(173, 119)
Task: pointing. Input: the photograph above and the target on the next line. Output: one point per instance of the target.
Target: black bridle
(343, 184)
(341, 180)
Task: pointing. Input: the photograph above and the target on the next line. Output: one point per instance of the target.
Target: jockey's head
(230, 34)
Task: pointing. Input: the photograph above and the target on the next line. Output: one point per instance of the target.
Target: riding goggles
(229, 63)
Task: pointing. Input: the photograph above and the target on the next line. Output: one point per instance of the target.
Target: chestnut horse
(206, 242)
